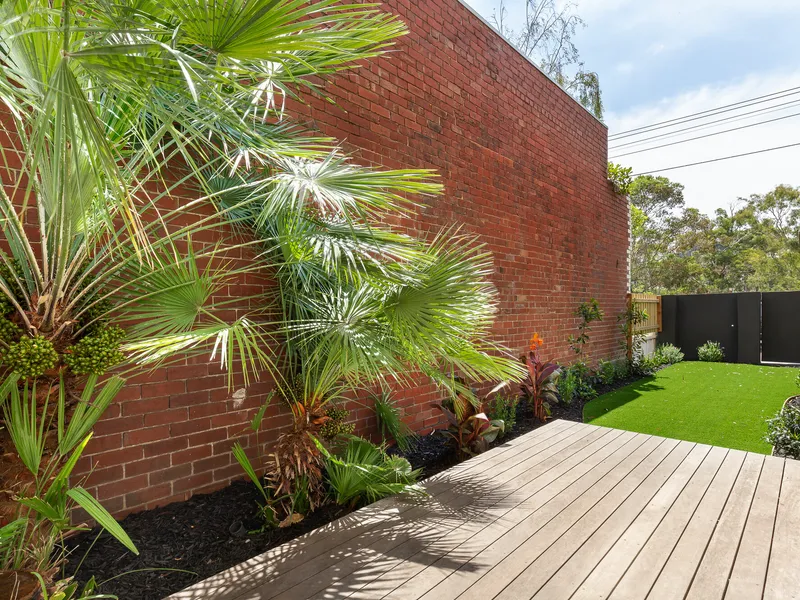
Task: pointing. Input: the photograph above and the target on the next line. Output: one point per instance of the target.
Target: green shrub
(711, 352)
(363, 472)
(391, 423)
(567, 386)
(783, 431)
(96, 353)
(623, 370)
(607, 372)
(669, 354)
(586, 378)
(577, 381)
(646, 365)
(503, 408)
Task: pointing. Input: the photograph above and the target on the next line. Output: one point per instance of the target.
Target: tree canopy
(753, 245)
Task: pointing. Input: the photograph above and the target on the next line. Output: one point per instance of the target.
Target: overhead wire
(707, 135)
(713, 160)
(705, 113)
(703, 126)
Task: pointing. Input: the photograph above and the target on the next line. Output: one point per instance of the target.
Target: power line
(698, 115)
(707, 135)
(713, 160)
(701, 126)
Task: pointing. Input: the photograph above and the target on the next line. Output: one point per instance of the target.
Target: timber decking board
(567, 511)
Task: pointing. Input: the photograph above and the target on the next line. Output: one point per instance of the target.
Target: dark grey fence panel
(753, 327)
(780, 327)
(705, 317)
(749, 327)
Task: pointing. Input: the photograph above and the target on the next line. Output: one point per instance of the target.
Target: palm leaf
(96, 511)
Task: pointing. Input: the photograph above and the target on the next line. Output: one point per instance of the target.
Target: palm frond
(334, 186)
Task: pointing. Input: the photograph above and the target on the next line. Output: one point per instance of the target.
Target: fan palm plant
(123, 117)
(364, 304)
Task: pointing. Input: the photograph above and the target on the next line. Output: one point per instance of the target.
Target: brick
(117, 457)
(143, 436)
(164, 388)
(211, 463)
(191, 455)
(190, 427)
(148, 465)
(139, 498)
(101, 476)
(208, 437)
(170, 474)
(192, 482)
(122, 487)
(118, 425)
(166, 416)
(165, 447)
(141, 407)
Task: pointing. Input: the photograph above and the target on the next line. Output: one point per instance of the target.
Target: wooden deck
(566, 511)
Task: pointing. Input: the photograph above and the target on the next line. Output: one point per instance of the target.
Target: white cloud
(716, 185)
(625, 68)
(688, 15)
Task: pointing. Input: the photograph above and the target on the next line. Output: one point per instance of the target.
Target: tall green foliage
(145, 129)
(753, 245)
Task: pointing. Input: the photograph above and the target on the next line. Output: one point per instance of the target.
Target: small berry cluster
(31, 356)
(9, 333)
(97, 352)
(335, 425)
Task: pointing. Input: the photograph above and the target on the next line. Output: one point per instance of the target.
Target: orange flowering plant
(540, 386)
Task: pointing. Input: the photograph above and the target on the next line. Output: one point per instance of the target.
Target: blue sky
(662, 59)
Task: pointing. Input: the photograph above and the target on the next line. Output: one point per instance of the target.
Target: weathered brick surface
(524, 169)
(523, 165)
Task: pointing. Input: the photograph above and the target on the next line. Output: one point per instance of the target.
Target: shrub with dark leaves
(783, 431)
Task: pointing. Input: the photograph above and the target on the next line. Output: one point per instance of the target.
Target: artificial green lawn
(713, 403)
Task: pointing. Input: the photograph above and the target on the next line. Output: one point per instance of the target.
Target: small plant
(711, 352)
(621, 178)
(586, 380)
(607, 372)
(468, 425)
(669, 354)
(391, 423)
(363, 473)
(589, 312)
(503, 408)
(37, 519)
(646, 365)
(540, 386)
(567, 386)
(783, 430)
(623, 370)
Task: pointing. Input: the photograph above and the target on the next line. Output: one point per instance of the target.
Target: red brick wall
(523, 165)
(524, 169)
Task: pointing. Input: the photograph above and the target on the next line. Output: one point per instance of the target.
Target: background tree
(546, 37)
(753, 245)
(653, 201)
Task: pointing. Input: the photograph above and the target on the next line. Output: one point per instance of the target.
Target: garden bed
(185, 542)
(189, 541)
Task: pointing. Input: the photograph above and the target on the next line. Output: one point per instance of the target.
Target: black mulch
(210, 533)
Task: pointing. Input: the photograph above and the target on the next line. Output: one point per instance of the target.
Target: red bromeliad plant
(540, 387)
(468, 424)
